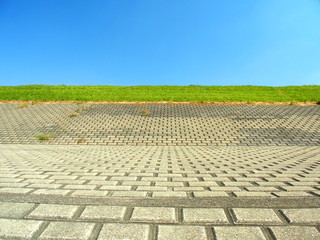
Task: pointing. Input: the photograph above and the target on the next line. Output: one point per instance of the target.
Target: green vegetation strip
(161, 93)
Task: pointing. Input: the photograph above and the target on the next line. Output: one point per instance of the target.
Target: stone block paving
(52, 221)
(190, 172)
(199, 172)
(161, 124)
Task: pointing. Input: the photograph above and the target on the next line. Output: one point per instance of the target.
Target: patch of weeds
(81, 140)
(44, 137)
(145, 112)
(74, 114)
(23, 105)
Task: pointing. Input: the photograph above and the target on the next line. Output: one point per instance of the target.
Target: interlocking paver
(15, 190)
(181, 232)
(169, 194)
(256, 215)
(18, 229)
(164, 167)
(51, 192)
(311, 215)
(182, 124)
(210, 194)
(253, 194)
(153, 214)
(53, 211)
(295, 233)
(204, 215)
(67, 230)
(238, 233)
(293, 194)
(100, 213)
(15, 210)
(114, 231)
(129, 194)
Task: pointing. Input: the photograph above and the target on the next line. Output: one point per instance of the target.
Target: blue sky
(160, 42)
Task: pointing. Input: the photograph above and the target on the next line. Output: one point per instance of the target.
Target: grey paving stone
(204, 215)
(210, 194)
(53, 211)
(293, 194)
(78, 186)
(169, 194)
(89, 193)
(238, 233)
(116, 188)
(295, 233)
(129, 194)
(59, 192)
(15, 190)
(170, 184)
(153, 214)
(310, 215)
(256, 216)
(101, 213)
(254, 194)
(18, 229)
(42, 185)
(114, 231)
(172, 232)
(15, 210)
(67, 230)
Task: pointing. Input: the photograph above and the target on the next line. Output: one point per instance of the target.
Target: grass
(161, 93)
(44, 137)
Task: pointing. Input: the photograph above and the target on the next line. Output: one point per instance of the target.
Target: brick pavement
(161, 124)
(57, 221)
(263, 182)
(160, 171)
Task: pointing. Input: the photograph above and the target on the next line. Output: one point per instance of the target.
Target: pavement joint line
(230, 215)
(282, 216)
(267, 233)
(41, 229)
(153, 232)
(96, 230)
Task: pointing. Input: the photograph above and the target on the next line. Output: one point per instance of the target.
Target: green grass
(162, 93)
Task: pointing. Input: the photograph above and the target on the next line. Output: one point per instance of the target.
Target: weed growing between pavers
(145, 112)
(73, 114)
(81, 140)
(45, 137)
(24, 105)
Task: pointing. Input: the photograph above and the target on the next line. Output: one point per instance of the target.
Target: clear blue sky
(160, 42)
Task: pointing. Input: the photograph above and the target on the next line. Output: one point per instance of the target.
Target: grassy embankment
(161, 93)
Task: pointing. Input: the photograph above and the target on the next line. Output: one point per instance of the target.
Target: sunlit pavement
(262, 181)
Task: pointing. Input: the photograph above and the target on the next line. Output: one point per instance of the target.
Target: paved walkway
(93, 190)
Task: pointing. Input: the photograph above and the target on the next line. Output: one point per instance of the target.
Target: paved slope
(256, 175)
(162, 124)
